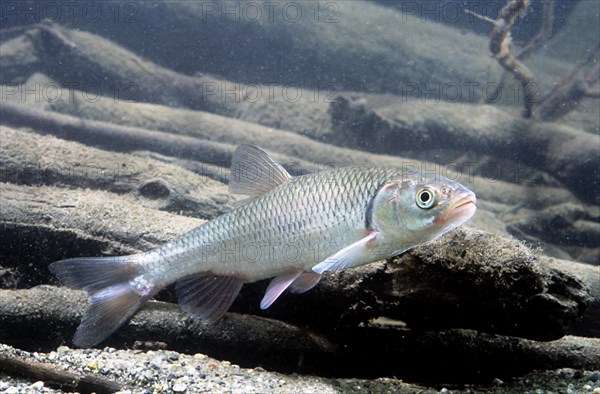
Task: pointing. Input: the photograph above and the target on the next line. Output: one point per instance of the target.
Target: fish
(291, 229)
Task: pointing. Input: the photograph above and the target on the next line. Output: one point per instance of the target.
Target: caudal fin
(113, 296)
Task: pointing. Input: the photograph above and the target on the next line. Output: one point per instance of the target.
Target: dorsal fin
(254, 173)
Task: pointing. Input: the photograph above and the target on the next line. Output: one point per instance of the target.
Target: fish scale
(333, 212)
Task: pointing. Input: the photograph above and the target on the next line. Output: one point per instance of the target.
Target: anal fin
(207, 297)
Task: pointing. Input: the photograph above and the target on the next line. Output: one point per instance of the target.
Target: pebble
(11, 390)
(93, 365)
(148, 374)
(156, 362)
(62, 350)
(179, 387)
(37, 386)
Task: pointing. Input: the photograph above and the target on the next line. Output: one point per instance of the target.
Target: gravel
(163, 371)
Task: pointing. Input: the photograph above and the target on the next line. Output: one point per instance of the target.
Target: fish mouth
(460, 210)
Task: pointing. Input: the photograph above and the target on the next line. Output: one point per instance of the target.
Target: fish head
(414, 211)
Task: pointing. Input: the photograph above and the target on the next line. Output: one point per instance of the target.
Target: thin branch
(478, 16)
(500, 43)
(593, 75)
(543, 34)
(566, 95)
(530, 47)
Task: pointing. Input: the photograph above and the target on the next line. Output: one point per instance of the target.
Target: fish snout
(462, 206)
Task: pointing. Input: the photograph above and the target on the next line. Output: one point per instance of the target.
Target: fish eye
(425, 198)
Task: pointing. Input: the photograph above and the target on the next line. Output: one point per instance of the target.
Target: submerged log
(45, 317)
(112, 136)
(298, 154)
(102, 68)
(51, 314)
(412, 56)
(390, 124)
(32, 159)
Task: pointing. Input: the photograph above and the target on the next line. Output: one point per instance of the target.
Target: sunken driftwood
(53, 42)
(500, 43)
(568, 93)
(299, 154)
(392, 123)
(565, 95)
(59, 378)
(469, 279)
(113, 136)
(106, 69)
(57, 223)
(49, 316)
(33, 159)
(502, 40)
(52, 313)
(402, 62)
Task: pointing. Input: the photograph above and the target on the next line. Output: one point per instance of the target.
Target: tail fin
(113, 295)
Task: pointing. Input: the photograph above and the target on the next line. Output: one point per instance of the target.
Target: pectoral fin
(352, 255)
(305, 282)
(278, 286)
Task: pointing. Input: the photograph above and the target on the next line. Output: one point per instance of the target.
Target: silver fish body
(294, 226)
(293, 229)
